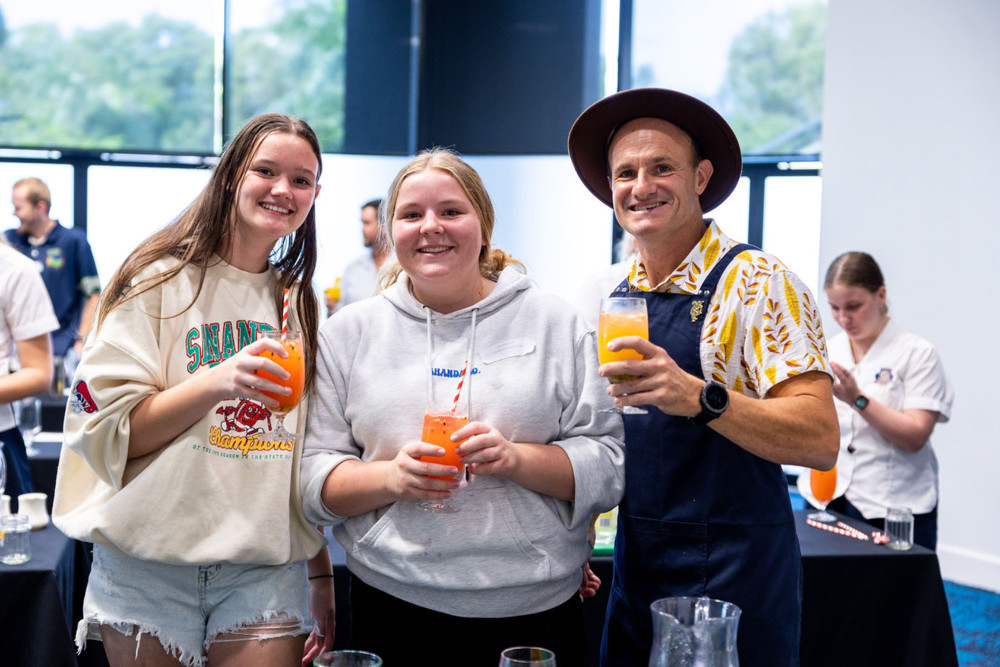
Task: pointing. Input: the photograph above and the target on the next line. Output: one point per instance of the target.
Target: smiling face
(275, 195)
(860, 312)
(438, 238)
(655, 180)
(32, 216)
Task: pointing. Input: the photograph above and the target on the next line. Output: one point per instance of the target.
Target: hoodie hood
(509, 284)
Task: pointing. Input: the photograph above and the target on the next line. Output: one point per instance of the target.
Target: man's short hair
(374, 203)
(36, 190)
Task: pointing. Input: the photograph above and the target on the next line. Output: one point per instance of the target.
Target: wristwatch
(714, 401)
(861, 402)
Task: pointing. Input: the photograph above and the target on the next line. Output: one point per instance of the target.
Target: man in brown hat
(735, 373)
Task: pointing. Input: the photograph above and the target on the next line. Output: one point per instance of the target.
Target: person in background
(360, 278)
(734, 371)
(200, 542)
(505, 569)
(67, 264)
(599, 284)
(891, 389)
(26, 322)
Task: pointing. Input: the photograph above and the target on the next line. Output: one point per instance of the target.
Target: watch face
(716, 396)
(861, 402)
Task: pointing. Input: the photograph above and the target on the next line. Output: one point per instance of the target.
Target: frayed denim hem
(91, 629)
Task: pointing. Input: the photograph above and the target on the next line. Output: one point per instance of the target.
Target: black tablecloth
(37, 600)
(43, 468)
(864, 604)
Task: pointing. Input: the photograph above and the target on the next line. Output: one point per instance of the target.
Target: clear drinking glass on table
(621, 316)
(294, 363)
(28, 412)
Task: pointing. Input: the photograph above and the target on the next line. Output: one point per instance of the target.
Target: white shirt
(25, 311)
(903, 371)
(360, 278)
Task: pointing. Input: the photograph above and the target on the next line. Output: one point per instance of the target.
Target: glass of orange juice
(294, 363)
(823, 484)
(621, 316)
(438, 428)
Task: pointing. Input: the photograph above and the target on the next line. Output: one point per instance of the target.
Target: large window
(760, 64)
(152, 76)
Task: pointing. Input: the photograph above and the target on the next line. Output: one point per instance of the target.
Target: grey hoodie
(532, 376)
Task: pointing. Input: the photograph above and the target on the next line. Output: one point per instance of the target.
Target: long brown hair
(210, 223)
(491, 260)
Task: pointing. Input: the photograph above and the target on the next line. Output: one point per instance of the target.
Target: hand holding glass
(823, 484)
(438, 428)
(621, 316)
(294, 363)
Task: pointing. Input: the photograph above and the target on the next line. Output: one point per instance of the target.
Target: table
(864, 604)
(45, 464)
(38, 598)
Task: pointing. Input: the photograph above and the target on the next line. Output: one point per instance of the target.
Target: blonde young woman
(892, 390)
(200, 542)
(505, 569)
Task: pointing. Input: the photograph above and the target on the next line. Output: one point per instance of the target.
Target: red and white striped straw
(840, 531)
(284, 314)
(458, 391)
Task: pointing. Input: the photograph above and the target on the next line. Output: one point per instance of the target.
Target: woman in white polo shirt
(891, 390)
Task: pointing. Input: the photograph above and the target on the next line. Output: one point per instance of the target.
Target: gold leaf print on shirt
(792, 301)
(727, 338)
(711, 253)
(755, 337)
(730, 280)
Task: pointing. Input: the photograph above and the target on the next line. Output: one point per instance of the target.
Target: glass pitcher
(694, 632)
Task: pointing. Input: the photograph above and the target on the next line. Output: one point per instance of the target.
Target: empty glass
(348, 659)
(527, 656)
(694, 632)
(15, 539)
(28, 412)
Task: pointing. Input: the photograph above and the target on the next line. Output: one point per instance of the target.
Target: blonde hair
(491, 260)
(36, 191)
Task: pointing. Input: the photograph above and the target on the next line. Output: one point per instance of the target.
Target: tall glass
(621, 316)
(823, 484)
(294, 363)
(28, 412)
(438, 429)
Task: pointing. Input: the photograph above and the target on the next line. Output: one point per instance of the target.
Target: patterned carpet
(975, 617)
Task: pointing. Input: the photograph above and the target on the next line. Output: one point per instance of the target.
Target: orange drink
(823, 484)
(438, 428)
(615, 323)
(294, 363)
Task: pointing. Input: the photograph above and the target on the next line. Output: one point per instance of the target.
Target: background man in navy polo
(66, 261)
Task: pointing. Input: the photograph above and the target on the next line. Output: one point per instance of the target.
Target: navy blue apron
(701, 516)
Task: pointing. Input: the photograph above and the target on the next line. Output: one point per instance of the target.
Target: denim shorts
(186, 606)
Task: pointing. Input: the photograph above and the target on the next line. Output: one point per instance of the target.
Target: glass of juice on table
(823, 484)
(294, 363)
(438, 427)
(621, 316)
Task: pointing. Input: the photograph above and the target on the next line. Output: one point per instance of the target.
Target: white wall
(911, 139)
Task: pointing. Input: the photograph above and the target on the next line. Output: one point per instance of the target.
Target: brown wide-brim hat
(590, 138)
